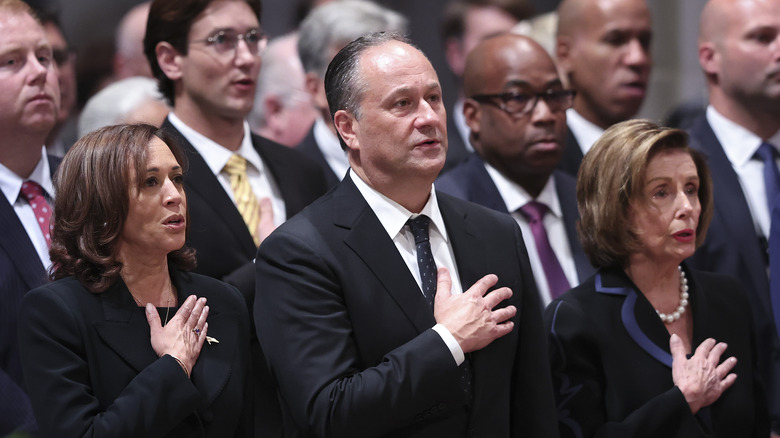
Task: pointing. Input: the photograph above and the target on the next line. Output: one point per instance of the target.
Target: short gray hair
(112, 104)
(330, 27)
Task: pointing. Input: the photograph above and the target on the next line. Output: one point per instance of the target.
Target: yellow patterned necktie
(246, 201)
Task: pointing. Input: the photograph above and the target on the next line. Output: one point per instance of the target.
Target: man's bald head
(739, 52)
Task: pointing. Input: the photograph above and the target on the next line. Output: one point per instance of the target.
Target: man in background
(465, 23)
(516, 110)
(322, 34)
(29, 103)
(739, 52)
(603, 46)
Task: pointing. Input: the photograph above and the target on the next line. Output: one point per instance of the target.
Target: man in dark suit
(206, 56)
(465, 23)
(363, 336)
(740, 134)
(28, 111)
(324, 32)
(516, 110)
(603, 47)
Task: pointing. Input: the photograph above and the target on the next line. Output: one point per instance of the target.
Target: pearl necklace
(678, 313)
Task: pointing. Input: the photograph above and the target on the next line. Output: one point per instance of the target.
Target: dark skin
(525, 148)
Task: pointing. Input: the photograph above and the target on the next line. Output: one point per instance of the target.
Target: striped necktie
(246, 201)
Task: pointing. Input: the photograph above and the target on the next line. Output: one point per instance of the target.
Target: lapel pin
(211, 340)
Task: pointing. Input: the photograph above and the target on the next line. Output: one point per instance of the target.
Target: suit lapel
(566, 189)
(638, 316)
(480, 186)
(730, 204)
(370, 242)
(122, 322)
(16, 243)
(201, 180)
(469, 250)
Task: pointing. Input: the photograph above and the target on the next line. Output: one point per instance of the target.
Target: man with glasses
(516, 108)
(206, 57)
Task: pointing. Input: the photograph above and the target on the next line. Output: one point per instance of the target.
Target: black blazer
(91, 370)
(471, 181)
(309, 147)
(348, 336)
(733, 247)
(611, 363)
(572, 155)
(20, 270)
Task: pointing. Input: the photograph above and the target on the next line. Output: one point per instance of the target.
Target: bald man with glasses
(515, 108)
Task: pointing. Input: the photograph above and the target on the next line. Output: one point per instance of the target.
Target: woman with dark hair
(638, 349)
(123, 343)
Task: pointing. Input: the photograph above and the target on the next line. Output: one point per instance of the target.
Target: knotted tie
(767, 153)
(246, 201)
(34, 194)
(425, 261)
(556, 279)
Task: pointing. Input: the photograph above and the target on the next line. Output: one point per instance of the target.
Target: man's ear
(562, 53)
(472, 112)
(169, 59)
(347, 127)
(709, 59)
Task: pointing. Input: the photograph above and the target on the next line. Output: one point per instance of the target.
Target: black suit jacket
(611, 362)
(311, 149)
(732, 247)
(349, 339)
(225, 248)
(572, 155)
(91, 370)
(20, 270)
(471, 181)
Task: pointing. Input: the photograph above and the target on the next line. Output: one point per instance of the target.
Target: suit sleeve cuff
(452, 344)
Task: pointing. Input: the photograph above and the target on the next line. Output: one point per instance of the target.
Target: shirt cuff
(452, 344)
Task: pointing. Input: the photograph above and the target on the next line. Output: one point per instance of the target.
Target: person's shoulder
(474, 211)
(271, 149)
(718, 286)
(67, 291)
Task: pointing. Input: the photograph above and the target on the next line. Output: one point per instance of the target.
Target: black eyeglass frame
(565, 97)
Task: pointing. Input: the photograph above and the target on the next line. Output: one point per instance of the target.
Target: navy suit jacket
(311, 149)
(732, 247)
(349, 338)
(471, 181)
(20, 271)
(611, 362)
(91, 370)
(572, 155)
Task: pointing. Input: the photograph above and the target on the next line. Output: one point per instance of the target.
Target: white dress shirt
(583, 130)
(393, 217)
(740, 145)
(515, 197)
(460, 123)
(216, 156)
(11, 186)
(331, 148)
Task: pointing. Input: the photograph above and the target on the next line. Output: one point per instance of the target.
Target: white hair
(114, 103)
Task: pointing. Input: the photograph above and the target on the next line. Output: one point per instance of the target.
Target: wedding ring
(196, 331)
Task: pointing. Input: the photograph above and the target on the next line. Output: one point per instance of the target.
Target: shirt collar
(393, 215)
(583, 130)
(11, 183)
(329, 144)
(739, 144)
(216, 155)
(515, 196)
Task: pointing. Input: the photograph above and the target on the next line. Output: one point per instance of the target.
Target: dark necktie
(534, 212)
(35, 196)
(767, 153)
(425, 262)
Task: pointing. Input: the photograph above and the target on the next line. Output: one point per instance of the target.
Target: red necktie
(34, 194)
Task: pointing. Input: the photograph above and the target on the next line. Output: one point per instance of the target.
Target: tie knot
(534, 211)
(766, 152)
(31, 190)
(236, 165)
(419, 227)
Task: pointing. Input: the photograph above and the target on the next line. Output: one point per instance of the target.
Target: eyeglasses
(522, 103)
(226, 41)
